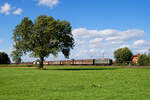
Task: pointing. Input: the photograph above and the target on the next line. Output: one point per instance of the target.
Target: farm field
(75, 83)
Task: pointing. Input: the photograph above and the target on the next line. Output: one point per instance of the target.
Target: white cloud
(83, 51)
(49, 3)
(107, 37)
(17, 11)
(125, 45)
(94, 50)
(141, 46)
(81, 32)
(141, 51)
(109, 34)
(126, 35)
(5, 9)
(92, 45)
(96, 40)
(117, 42)
(139, 42)
(79, 42)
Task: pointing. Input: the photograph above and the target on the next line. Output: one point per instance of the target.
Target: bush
(144, 60)
(123, 56)
(16, 56)
(133, 64)
(4, 59)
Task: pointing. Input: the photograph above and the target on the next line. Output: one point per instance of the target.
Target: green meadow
(74, 83)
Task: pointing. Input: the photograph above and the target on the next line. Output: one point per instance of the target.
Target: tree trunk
(41, 62)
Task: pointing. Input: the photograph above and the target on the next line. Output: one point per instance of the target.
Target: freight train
(80, 62)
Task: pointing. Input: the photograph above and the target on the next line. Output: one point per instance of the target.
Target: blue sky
(99, 26)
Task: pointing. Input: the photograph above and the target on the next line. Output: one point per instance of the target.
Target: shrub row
(144, 60)
(4, 59)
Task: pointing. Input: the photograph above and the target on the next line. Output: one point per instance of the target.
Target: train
(105, 61)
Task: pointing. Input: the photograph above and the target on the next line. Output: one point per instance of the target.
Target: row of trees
(144, 60)
(124, 56)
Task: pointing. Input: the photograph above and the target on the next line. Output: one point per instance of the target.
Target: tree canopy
(123, 55)
(16, 56)
(4, 58)
(144, 60)
(43, 37)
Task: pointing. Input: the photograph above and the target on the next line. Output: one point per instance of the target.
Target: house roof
(137, 55)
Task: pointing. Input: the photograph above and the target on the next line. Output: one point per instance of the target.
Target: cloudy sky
(99, 26)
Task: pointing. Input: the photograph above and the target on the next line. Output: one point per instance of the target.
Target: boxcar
(102, 61)
(66, 62)
(54, 62)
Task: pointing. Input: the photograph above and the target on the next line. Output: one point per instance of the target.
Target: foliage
(43, 37)
(144, 60)
(16, 56)
(75, 83)
(133, 64)
(4, 58)
(123, 55)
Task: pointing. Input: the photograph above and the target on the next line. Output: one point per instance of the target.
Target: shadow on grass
(78, 69)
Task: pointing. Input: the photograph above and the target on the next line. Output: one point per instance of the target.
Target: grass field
(75, 83)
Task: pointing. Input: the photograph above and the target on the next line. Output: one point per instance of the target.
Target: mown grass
(75, 83)
(17, 65)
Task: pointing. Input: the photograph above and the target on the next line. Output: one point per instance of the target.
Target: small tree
(4, 59)
(16, 56)
(43, 37)
(123, 55)
(143, 60)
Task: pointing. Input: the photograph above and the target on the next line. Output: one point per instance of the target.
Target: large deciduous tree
(43, 37)
(123, 55)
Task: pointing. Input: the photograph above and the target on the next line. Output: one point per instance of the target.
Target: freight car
(81, 62)
(102, 61)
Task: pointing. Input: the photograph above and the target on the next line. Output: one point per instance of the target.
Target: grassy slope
(69, 83)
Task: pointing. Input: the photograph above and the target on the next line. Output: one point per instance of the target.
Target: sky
(99, 27)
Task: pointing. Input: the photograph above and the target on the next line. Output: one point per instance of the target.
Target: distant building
(135, 58)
